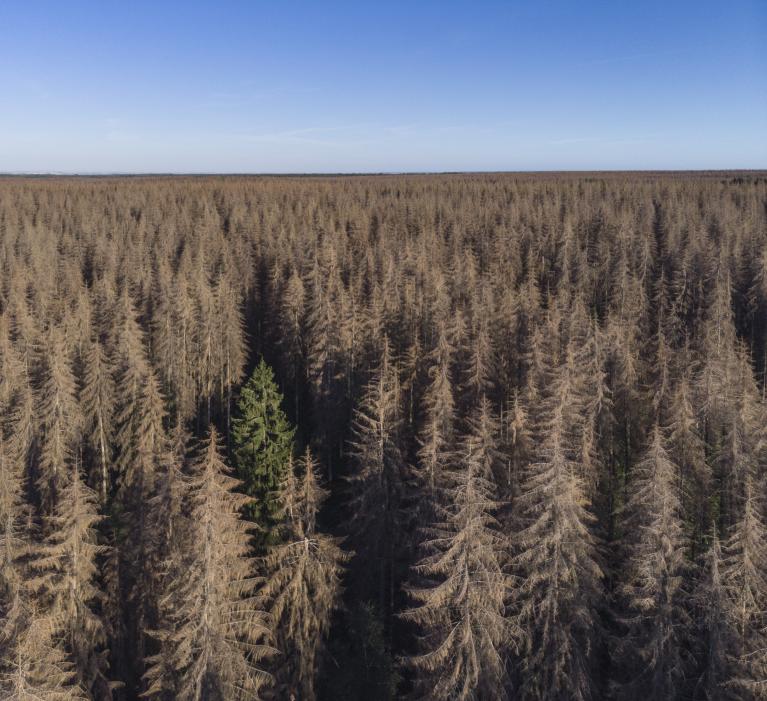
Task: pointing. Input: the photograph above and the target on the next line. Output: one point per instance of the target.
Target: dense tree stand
(447, 438)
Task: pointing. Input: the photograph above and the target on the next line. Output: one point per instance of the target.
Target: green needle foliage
(263, 443)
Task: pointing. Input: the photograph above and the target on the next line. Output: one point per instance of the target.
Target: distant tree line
(434, 437)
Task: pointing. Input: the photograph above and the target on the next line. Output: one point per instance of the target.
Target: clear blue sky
(285, 86)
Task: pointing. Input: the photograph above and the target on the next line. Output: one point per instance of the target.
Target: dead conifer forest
(460, 437)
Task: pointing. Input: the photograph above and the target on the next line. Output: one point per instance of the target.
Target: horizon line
(352, 173)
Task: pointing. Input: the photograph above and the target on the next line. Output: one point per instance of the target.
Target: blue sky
(286, 86)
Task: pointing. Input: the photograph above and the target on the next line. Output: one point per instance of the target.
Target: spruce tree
(263, 443)
(326, 354)
(302, 586)
(516, 444)
(291, 340)
(377, 481)
(436, 436)
(33, 665)
(131, 368)
(67, 581)
(231, 349)
(462, 587)
(14, 515)
(479, 371)
(656, 616)
(140, 460)
(211, 630)
(59, 416)
(557, 556)
(689, 452)
(716, 635)
(744, 574)
(97, 399)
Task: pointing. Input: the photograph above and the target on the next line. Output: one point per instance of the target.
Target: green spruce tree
(263, 443)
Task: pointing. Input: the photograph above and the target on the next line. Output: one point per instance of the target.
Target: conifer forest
(443, 437)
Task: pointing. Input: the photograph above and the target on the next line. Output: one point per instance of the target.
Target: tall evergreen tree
(263, 443)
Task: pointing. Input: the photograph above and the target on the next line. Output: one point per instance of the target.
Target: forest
(442, 437)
